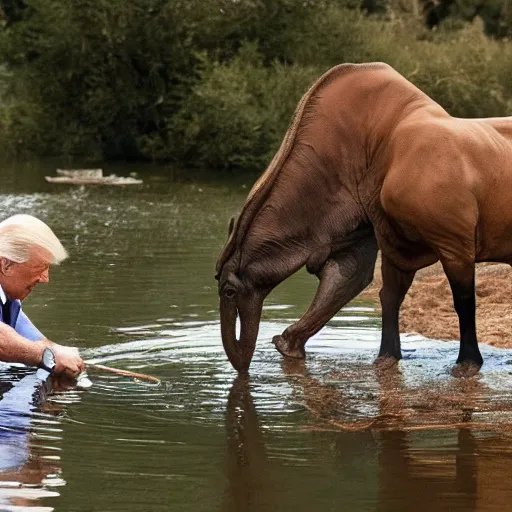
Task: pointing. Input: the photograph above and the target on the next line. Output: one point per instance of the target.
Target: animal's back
(451, 174)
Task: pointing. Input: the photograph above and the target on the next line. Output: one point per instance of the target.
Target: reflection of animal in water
(415, 473)
(449, 470)
(369, 162)
(247, 464)
(460, 470)
(427, 478)
(266, 468)
(381, 400)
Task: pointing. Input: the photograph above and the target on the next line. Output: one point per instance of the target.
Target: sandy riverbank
(428, 307)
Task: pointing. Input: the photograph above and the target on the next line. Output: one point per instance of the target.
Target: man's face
(18, 279)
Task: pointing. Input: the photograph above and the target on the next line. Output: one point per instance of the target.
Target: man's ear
(5, 266)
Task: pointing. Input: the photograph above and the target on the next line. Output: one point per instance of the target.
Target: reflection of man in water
(19, 397)
(27, 249)
(22, 469)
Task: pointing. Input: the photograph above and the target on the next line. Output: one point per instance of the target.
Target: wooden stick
(125, 373)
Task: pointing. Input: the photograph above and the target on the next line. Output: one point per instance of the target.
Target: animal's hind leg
(343, 276)
(395, 284)
(461, 276)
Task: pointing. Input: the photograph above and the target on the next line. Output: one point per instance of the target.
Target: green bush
(97, 74)
(214, 84)
(239, 111)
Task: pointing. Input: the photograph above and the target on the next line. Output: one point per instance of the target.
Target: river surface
(332, 433)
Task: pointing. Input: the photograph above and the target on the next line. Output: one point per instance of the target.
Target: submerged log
(81, 173)
(90, 177)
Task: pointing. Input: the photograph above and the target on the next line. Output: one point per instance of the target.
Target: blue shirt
(19, 321)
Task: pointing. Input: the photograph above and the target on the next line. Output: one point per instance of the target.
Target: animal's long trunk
(240, 352)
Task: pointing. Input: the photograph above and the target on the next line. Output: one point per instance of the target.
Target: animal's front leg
(395, 284)
(342, 278)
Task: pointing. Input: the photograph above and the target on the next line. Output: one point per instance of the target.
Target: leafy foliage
(214, 84)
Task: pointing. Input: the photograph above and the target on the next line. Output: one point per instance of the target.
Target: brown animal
(369, 162)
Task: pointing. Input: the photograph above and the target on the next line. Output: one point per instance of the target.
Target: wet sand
(428, 307)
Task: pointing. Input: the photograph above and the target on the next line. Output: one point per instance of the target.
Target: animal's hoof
(465, 370)
(470, 357)
(383, 362)
(287, 349)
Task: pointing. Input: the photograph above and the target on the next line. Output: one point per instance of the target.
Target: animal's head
(240, 296)
(261, 251)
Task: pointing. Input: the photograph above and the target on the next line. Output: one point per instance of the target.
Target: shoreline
(428, 306)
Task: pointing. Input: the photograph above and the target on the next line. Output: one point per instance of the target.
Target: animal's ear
(231, 226)
(228, 249)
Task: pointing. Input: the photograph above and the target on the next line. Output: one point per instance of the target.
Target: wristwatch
(48, 360)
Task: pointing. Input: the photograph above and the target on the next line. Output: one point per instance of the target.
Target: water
(332, 433)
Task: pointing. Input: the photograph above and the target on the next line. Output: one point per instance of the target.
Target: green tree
(96, 74)
(214, 84)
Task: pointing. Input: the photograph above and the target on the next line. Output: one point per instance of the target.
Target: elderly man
(27, 249)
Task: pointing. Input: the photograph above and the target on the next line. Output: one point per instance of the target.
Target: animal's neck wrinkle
(287, 244)
(279, 258)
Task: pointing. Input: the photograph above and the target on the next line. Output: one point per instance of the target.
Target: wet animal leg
(461, 277)
(342, 278)
(395, 284)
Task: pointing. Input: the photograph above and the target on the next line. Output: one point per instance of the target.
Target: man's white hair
(21, 234)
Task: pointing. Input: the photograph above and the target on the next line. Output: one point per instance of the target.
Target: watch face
(48, 359)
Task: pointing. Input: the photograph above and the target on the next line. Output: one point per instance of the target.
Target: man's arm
(15, 348)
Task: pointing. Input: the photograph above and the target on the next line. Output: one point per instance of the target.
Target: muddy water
(332, 433)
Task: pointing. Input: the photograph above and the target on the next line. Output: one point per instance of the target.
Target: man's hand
(68, 362)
